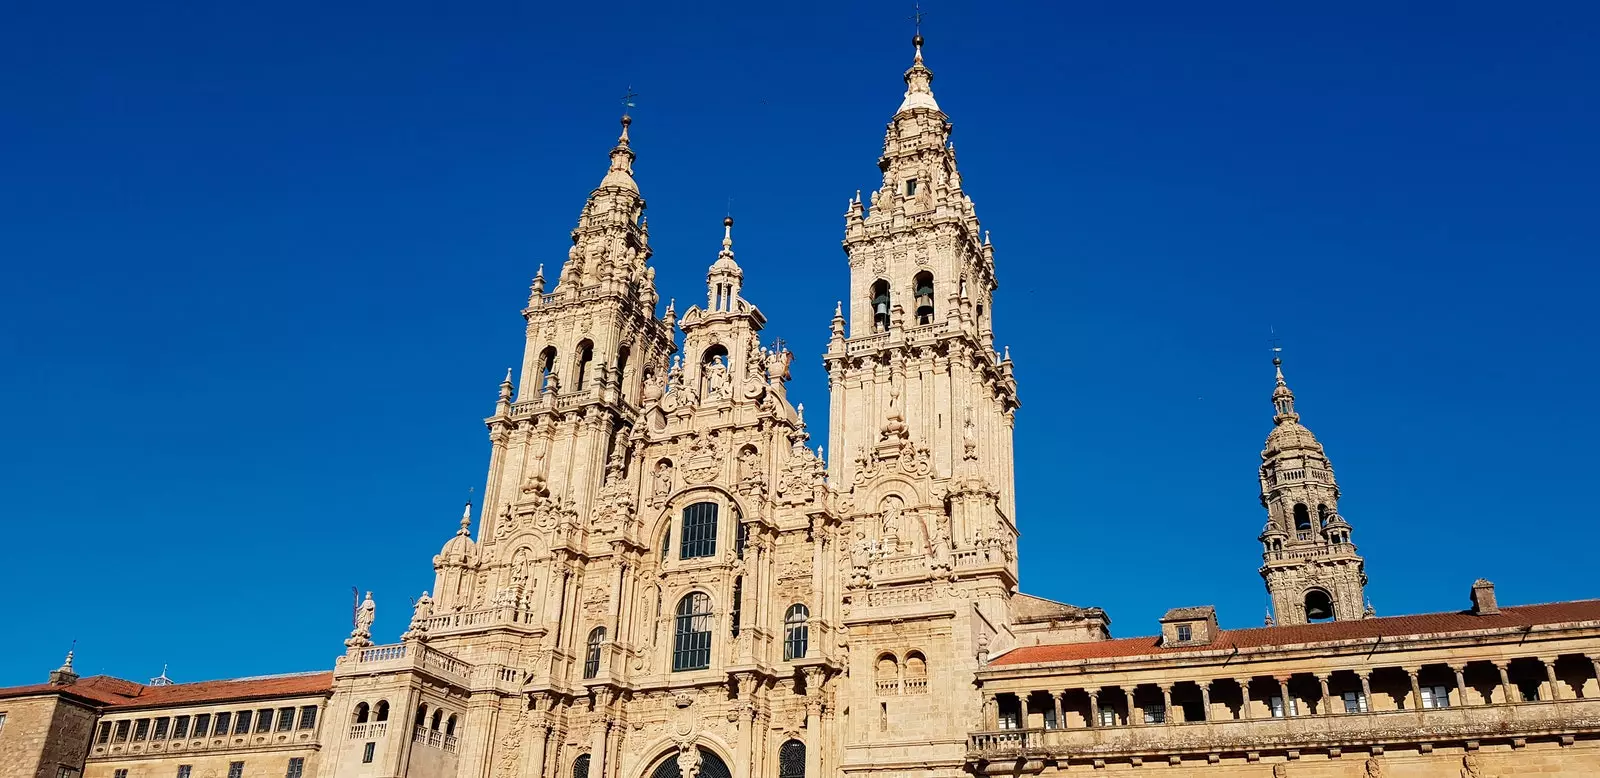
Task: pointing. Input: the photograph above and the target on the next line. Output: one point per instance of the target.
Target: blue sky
(263, 266)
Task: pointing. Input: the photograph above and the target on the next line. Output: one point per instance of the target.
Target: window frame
(591, 654)
(297, 767)
(692, 631)
(699, 539)
(796, 631)
(236, 769)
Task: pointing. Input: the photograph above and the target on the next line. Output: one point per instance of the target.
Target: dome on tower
(460, 547)
(1290, 436)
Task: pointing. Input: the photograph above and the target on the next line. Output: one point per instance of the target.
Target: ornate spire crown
(621, 172)
(919, 83)
(1282, 397)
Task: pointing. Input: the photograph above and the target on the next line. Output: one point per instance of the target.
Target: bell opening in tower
(924, 287)
(1319, 606)
(880, 306)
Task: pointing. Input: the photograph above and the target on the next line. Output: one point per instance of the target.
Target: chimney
(1483, 598)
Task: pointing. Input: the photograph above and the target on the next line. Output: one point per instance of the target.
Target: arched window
(422, 716)
(380, 712)
(792, 759)
(691, 645)
(923, 285)
(450, 725)
(795, 632)
(438, 719)
(1322, 515)
(585, 357)
(698, 538)
(547, 367)
(887, 678)
(916, 680)
(580, 766)
(1319, 606)
(591, 658)
(1302, 517)
(880, 306)
(711, 766)
(362, 713)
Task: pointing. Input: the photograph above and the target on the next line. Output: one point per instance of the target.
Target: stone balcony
(406, 657)
(1033, 747)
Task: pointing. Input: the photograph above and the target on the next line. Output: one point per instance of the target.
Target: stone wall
(214, 764)
(43, 734)
(1549, 758)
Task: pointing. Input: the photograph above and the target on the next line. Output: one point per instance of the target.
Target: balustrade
(369, 731)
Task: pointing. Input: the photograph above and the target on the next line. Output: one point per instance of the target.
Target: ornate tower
(1311, 568)
(921, 419)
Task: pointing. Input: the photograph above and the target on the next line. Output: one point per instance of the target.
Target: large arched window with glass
(591, 657)
(691, 644)
(698, 537)
(580, 766)
(796, 632)
(792, 759)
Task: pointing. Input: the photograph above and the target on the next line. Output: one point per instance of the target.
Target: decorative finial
(466, 520)
(508, 376)
(838, 308)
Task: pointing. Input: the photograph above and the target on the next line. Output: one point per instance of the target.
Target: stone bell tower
(1311, 568)
(921, 419)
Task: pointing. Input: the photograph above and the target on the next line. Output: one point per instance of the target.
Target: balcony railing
(1311, 731)
(371, 730)
(433, 738)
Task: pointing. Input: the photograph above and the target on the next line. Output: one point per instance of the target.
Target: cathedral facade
(669, 579)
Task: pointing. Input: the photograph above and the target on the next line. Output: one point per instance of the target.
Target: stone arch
(715, 759)
(886, 673)
(673, 505)
(1318, 604)
(582, 365)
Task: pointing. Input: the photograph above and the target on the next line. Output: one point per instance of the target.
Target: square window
(202, 724)
(241, 723)
(285, 719)
(71, 772)
(161, 728)
(223, 720)
(1185, 633)
(308, 717)
(1155, 714)
(121, 772)
(699, 535)
(122, 731)
(1355, 702)
(1276, 705)
(366, 752)
(236, 770)
(1108, 716)
(105, 733)
(297, 767)
(264, 720)
(184, 770)
(911, 187)
(1435, 697)
(141, 729)
(180, 727)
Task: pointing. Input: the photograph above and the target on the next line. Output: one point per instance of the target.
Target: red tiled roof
(1260, 637)
(112, 692)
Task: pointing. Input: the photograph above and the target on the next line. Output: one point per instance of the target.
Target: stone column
(1166, 704)
(1461, 681)
(1244, 694)
(1550, 673)
(744, 708)
(1594, 659)
(1060, 722)
(1416, 688)
(533, 760)
(991, 711)
(1366, 689)
(1134, 719)
(1505, 681)
(814, 738)
(482, 717)
(1327, 705)
(1283, 694)
(598, 736)
(1094, 704)
(1205, 700)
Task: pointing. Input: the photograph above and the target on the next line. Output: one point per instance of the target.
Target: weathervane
(916, 16)
(627, 100)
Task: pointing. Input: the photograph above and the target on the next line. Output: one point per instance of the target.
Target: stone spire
(919, 83)
(1311, 568)
(64, 675)
(621, 172)
(725, 276)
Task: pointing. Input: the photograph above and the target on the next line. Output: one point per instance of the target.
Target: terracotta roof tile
(116, 693)
(1259, 637)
